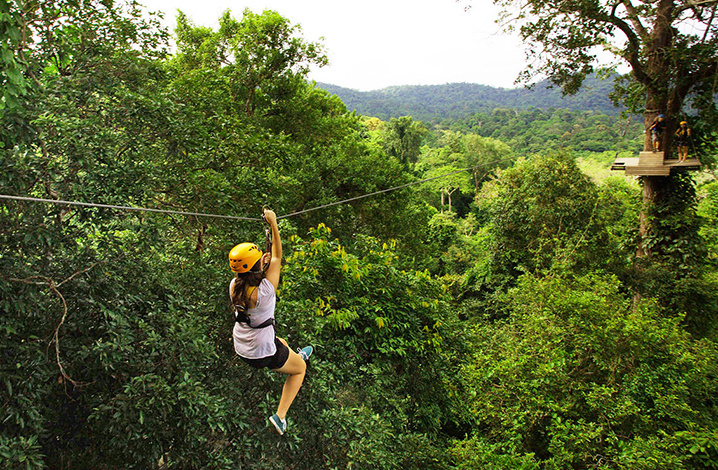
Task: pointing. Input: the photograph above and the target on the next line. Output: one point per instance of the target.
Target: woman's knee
(295, 365)
(299, 366)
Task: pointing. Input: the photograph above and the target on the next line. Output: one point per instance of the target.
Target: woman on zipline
(252, 293)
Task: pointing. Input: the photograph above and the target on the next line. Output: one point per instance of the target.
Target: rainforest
(480, 289)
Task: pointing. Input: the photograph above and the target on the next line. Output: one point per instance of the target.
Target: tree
(264, 58)
(671, 47)
(446, 160)
(403, 139)
(389, 342)
(256, 132)
(448, 185)
(483, 151)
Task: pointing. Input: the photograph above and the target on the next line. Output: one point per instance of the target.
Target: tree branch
(56, 335)
(710, 22)
(80, 272)
(43, 280)
(635, 19)
(634, 44)
(694, 77)
(21, 51)
(689, 5)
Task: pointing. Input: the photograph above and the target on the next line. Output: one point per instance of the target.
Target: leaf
(14, 33)
(7, 56)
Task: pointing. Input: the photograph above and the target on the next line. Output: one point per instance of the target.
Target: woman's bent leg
(295, 368)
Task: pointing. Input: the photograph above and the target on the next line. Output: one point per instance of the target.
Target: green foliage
(447, 180)
(535, 130)
(707, 209)
(443, 161)
(402, 139)
(386, 309)
(543, 215)
(674, 228)
(383, 339)
(260, 56)
(20, 453)
(618, 213)
(577, 377)
(266, 137)
(676, 272)
(13, 82)
(475, 453)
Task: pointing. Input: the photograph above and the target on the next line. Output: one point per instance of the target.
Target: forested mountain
(434, 103)
(474, 298)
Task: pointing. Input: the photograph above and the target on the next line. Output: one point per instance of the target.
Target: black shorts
(272, 362)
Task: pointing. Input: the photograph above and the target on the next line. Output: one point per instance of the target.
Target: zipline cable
(253, 219)
(128, 208)
(394, 188)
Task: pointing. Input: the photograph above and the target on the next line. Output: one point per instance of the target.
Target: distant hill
(435, 103)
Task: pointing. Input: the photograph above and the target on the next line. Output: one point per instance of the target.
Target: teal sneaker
(279, 424)
(305, 352)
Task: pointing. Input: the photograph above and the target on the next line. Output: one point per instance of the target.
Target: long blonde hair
(243, 281)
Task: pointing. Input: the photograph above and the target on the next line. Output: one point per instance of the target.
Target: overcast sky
(374, 44)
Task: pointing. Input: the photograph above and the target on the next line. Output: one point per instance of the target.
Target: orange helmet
(243, 257)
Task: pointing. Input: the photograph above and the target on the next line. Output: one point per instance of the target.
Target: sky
(374, 44)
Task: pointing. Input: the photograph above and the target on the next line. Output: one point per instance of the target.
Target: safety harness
(240, 315)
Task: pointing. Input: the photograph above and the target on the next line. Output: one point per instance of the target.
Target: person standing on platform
(683, 134)
(657, 128)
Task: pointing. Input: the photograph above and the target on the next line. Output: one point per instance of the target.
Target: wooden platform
(689, 164)
(653, 164)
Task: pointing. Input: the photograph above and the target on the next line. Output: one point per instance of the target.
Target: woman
(683, 133)
(252, 293)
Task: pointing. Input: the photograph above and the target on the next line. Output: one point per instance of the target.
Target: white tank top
(256, 343)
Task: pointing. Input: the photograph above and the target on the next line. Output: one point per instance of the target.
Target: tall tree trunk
(651, 186)
(658, 69)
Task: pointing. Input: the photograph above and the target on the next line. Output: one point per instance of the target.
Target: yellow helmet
(683, 122)
(243, 257)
